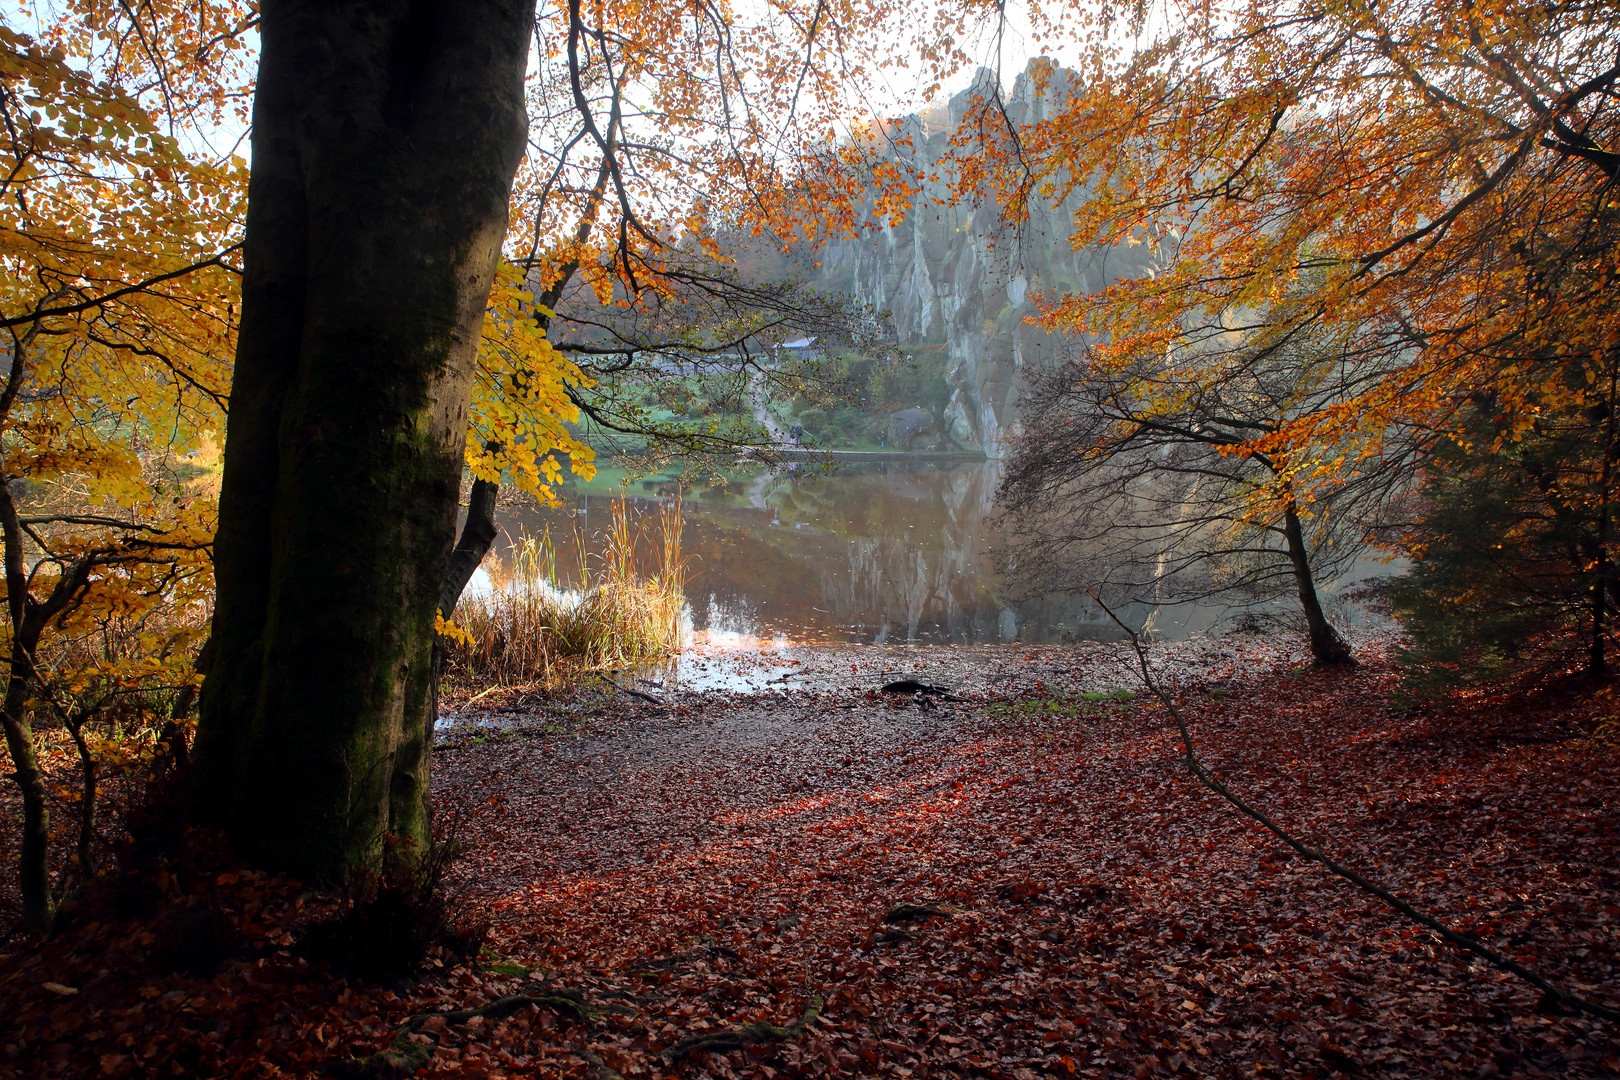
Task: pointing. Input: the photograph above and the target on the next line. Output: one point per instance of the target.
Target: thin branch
(83, 519)
(1551, 995)
(139, 286)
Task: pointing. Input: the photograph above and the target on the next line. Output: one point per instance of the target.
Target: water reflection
(888, 552)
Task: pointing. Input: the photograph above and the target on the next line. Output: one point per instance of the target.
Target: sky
(889, 92)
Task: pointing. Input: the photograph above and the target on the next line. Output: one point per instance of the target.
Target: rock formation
(961, 279)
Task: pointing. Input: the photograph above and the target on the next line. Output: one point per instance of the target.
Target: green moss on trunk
(386, 136)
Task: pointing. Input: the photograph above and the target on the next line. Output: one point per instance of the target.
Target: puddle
(739, 666)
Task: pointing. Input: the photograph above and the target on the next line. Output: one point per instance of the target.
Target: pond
(895, 551)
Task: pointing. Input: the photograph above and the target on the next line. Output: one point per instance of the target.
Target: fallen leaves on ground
(834, 882)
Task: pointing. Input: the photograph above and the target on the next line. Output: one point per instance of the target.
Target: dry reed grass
(532, 628)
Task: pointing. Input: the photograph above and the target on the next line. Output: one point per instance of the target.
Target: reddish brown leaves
(711, 872)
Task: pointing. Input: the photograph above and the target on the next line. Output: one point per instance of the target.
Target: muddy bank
(771, 675)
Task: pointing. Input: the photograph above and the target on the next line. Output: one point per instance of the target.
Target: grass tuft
(532, 628)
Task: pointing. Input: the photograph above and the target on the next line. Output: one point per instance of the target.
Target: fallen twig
(912, 686)
(633, 693)
(484, 693)
(1552, 996)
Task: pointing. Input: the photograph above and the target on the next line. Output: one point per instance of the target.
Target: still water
(901, 551)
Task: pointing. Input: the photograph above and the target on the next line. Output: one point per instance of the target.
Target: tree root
(674, 960)
(409, 1053)
(754, 1034)
(904, 913)
(599, 1068)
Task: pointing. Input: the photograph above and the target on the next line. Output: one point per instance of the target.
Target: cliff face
(958, 279)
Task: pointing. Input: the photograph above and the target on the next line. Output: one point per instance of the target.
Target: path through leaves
(832, 882)
(1098, 912)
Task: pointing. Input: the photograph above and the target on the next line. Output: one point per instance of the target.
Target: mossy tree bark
(385, 138)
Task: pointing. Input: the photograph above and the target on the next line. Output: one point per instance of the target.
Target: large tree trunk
(1328, 649)
(385, 138)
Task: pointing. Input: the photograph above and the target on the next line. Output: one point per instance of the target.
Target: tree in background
(1149, 487)
(1408, 175)
(1511, 539)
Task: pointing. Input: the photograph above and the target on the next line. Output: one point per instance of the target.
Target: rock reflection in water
(887, 552)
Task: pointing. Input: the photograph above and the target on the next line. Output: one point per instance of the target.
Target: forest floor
(819, 880)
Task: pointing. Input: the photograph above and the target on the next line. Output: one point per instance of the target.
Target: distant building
(803, 348)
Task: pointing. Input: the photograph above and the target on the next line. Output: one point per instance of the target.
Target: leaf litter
(824, 880)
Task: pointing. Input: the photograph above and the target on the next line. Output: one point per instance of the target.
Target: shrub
(848, 420)
(1510, 546)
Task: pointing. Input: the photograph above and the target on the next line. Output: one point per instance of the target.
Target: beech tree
(386, 138)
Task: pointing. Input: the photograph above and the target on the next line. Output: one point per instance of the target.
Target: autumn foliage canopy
(1411, 205)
